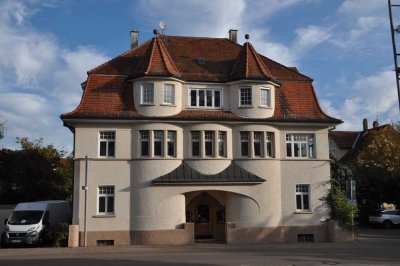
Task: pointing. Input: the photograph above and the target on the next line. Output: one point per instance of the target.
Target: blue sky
(46, 47)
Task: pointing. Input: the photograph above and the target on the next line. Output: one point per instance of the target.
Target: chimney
(365, 124)
(134, 38)
(375, 124)
(233, 35)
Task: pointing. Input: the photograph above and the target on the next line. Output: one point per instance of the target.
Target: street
(373, 246)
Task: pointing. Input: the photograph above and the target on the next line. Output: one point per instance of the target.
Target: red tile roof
(344, 139)
(249, 65)
(108, 96)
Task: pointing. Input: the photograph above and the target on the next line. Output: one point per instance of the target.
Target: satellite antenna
(162, 26)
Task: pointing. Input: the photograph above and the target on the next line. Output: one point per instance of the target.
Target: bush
(61, 235)
(340, 209)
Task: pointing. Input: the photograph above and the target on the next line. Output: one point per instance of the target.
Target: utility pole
(394, 30)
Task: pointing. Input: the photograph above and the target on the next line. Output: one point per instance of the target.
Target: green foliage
(36, 172)
(61, 235)
(377, 170)
(340, 209)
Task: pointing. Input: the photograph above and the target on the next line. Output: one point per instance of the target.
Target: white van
(34, 222)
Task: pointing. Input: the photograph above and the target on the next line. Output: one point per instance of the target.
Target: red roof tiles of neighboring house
(108, 92)
(344, 139)
(358, 141)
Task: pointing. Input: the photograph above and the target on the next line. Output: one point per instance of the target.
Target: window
(144, 142)
(205, 98)
(208, 142)
(195, 143)
(305, 238)
(169, 94)
(300, 145)
(220, 216)
(245, 97)
(302, 198)
(106, 200)
(147, 93)
(221, 143)
(265, 97)
(270, 141)
(244, 140)
(257, 144)
(203, 214)
(171, 137)
(158, 142)
(107, 143)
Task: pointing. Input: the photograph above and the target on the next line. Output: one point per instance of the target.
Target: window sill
(147, 104)
(303, 212)
(168, 104)
(104, 216)
(265, 107)
(246, 107)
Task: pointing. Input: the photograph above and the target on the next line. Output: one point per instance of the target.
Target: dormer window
(205, 98)
(147, 93)
(169, 94)
(245, 97)
(265, 97)
(201, 61)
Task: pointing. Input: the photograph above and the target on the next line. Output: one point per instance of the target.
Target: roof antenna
(163, 26)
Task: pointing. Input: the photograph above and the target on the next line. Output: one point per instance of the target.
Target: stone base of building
(327, 232)
(184, 236)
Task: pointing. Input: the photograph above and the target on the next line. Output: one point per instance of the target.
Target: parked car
(386, 218)
(34, 222)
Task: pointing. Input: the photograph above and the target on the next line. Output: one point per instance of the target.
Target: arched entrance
(207, 214)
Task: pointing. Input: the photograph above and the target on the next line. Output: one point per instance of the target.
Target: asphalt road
(372, 247)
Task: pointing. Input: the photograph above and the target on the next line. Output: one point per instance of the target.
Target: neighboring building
(190, 138)
(345, 145)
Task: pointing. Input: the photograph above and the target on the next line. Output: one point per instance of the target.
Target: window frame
(166, 95)
(268, 99)
(160, 141)
(221, 140)
(213, 90)
(250, 96)
(259, 141)
(242, 140)
(269, 139)
(143, 87)
(195, 140)
(106, 202)
(173, 140)
(141, 140)
(302, 195)
(108, 141)
(209, 138)
(310, 148)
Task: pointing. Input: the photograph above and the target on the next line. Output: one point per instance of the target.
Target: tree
(36, 172)
(377, 170)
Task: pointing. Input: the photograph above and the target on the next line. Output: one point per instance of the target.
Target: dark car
(386, 218)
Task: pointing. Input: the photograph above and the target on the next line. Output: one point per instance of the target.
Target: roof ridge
(260, 64)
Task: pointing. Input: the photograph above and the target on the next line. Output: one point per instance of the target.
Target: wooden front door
(204, 222)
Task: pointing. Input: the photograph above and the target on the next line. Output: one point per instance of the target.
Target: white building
(199, 138)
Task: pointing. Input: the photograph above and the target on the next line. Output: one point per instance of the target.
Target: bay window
(158, 142)
(147, 93)
(245, 97)
(169, 94)
(208, 142)
(144, 142)
(195, 143)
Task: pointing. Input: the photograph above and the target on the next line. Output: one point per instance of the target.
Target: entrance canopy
(186, 176)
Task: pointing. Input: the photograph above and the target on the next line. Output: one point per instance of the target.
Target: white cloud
(310, 37)
(356, 8)
(370, 97)
(39, 78)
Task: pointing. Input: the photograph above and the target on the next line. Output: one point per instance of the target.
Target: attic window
(201, 61)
